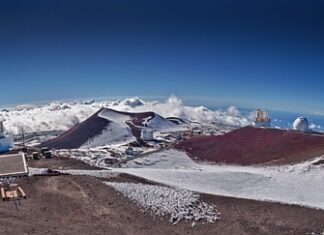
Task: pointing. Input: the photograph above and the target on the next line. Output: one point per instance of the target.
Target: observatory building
(6, 142)
(261, 119)
(301, 124)
(147, 134)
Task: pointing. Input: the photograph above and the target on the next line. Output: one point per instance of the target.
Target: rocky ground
(84, 205)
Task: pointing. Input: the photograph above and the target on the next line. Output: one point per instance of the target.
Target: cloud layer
(63, 115)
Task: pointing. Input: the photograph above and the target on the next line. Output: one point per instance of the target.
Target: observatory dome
(301, 124)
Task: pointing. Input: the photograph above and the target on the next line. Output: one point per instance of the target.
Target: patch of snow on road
(37, 171)
(179, 204)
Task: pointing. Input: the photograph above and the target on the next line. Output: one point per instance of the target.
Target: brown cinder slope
(79, 134)
(251, 145)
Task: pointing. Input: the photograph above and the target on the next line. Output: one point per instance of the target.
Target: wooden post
(23, 194)
(3, 194)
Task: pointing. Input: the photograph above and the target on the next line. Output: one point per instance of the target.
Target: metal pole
(23, 136)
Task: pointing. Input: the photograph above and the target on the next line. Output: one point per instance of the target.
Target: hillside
(251, 145)
(109, 126)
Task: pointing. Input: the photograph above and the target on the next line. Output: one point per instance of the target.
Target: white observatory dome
(301, 124)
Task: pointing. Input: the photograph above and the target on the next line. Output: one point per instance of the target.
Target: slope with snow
(117, 132)
(79, 134)
(110, 127)
(170, 159)
(300, 184)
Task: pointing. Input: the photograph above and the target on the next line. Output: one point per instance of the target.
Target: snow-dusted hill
(108, 127)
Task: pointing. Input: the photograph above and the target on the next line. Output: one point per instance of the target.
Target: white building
(147, 134)
(6, 142)
(301, 124)
(261, 119)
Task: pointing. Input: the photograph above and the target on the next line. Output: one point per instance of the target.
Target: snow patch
(92, 157)
(169, 159)
(300, 184)
(179, 204)
(157, 123)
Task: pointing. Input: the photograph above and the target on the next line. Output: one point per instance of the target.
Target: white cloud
(233, 111)
(64, 115)
(314, 126)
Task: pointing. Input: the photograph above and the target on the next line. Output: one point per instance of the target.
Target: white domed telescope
(301, 124)
(261, 119)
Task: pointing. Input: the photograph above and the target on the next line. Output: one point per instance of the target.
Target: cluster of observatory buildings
(261, 119)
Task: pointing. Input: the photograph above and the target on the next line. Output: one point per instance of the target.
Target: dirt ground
(84, 205)
(60, 163)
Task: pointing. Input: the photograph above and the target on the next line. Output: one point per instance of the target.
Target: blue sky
(247, 53)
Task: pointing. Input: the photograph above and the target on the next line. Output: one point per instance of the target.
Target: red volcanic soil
(251, 145)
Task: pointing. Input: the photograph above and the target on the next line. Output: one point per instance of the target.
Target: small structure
(147, 134)
(209, 132)
(24, 150)
(13, 165)
(44, 150)
(261, 119)
(301, 124)
(196, 131)
(36, 156)
(48, 155)
(13, 192)
(177, 135)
